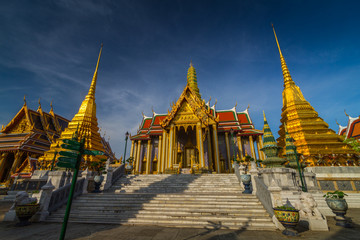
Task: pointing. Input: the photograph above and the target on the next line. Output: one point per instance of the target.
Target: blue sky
(49, 51)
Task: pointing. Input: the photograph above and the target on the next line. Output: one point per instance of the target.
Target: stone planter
(246, 179)
(339, 207)
(97, 182)
(288, 218)
(25, 212)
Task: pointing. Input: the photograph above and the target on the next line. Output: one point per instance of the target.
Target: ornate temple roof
(190, 98)
(352, 129)
(32, 131)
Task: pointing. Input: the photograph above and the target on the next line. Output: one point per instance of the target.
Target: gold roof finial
(284, 68)
(91, 93)
(192, 80)
(51, 108)
(346, 113)
(337, 122)
(264, 116)
(39, 108)
(277, 42)
(24, 100)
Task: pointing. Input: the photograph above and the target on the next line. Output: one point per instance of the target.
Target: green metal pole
(233, 144)
(126, 138)
(73, 183)
(53, 161)
(298, 165)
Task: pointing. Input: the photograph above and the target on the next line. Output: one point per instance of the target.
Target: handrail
(117, 173)
(60, 196)
(264, 195)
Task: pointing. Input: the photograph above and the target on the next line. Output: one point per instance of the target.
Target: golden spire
(51, 108)
(91, 93)
(24, 100)
(192, 81)
(285, 70)
(264, 116)
(39, 108)
(84, 125)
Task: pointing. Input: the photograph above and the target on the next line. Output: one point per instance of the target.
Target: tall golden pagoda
(311, 133)
(85, 122)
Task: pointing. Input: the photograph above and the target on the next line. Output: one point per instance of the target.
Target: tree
(353, 143)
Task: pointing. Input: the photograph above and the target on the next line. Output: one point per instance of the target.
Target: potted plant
(338, 205)
(25, 208)
(129, 166)
(246, 179)
(99, 167)
(287, 215)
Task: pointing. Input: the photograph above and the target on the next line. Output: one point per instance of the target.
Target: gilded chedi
(318, 144)
(85, 122)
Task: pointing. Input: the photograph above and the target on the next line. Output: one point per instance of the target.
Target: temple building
(352, 129)
(318, 144)
(85, 123)
(26, 138)
(194, 136)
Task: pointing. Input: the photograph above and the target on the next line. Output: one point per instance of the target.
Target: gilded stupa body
(311, 133)
(85, 123)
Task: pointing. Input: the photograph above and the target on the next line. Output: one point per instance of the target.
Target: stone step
(195, 201)
(156, 217)
(166, 211)
(248, 224)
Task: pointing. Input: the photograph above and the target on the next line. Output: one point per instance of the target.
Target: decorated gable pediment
(188, 110)
(19, 124)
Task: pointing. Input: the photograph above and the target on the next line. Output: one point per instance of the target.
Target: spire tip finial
(264, 116)
(24, 100)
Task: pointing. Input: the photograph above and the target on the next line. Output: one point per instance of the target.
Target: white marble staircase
(194, 201)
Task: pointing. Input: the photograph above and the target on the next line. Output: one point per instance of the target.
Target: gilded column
(2, 163)
(209, 149)
(262, 155)
(240, 147)
(148, 157)
(174, 151)
(258, 148)
(227, 149)
(17, 160)
(134, 156)
(164, 153)
(132, 148)
(253, 155)
(200, 144)
(216, 150)
(171, 146)
(160, 157)
(138, 157)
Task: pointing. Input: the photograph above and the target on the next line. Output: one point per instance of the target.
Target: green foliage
(285, 208)
(98, 166)
(335, 195)
(129, 160)
(353, 143)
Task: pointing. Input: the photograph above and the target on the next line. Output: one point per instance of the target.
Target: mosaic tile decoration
(357, 185)
(327, 185)
(344, 185)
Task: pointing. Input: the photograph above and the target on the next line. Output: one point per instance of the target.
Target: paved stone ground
(49, 231)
